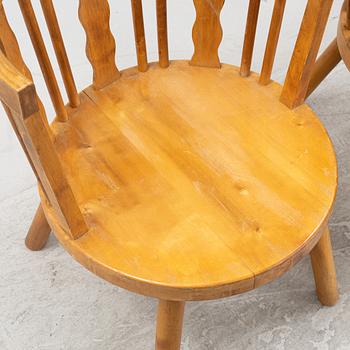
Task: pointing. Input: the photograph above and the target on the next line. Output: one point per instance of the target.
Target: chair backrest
(30, 122)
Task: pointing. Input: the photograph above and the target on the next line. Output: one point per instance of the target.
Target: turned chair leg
(169, 325)
(39, 231)
(324, 270)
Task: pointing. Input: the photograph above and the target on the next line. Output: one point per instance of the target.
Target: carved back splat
(207, 33)
(100, 46)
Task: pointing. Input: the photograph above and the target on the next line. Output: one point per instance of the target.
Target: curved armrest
(16, 91)
(19, 95)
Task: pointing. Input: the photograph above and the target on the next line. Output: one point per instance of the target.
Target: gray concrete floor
(49, 302)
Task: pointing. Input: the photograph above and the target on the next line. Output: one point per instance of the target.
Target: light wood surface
(207, 33)
(272, 41)
(249, 37)
(186, 199)
(43, 58)
(162, 28)
(169, 325)
(140, 40)
(19, 95)
(17, 92)
(305, 52)
(324, 271)
(10, 48)
(39, 231)
(185, 183)
(343, 36)
(338, 49)
(60, 50)
(324, 65)
(100, 44)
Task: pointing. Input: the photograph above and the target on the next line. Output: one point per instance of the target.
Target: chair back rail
(60, 51)
(100, 44)
(207, 35)
(139, 30)
(162, 29)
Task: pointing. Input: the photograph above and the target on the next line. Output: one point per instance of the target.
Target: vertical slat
(162, 27)
(207, 33)
(9, 46)
(18, 93)
(60, 50)
(139, 30)
(43, 58)
(249, 37)
(10, 49)
(305, 52)
(100, 44)
(272, 41)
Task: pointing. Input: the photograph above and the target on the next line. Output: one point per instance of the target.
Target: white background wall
(15, 174)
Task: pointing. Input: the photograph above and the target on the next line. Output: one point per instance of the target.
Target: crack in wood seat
(194, 182)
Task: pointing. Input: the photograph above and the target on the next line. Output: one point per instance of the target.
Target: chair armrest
(16, 91)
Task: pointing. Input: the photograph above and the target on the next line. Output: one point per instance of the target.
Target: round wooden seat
(194, 182)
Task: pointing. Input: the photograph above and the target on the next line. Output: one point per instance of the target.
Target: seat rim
(188, 292)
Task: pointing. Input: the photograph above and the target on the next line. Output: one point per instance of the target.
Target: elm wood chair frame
(338, 49)
(51, 149)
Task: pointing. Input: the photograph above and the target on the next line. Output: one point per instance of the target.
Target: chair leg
(169, 325)
(324, 270)
(39, 231)
(324, 65)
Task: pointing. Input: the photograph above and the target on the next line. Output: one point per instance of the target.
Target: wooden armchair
(180, 180)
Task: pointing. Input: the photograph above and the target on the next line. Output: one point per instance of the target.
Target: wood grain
(43, 58)
(305, 52)
(9, 46)
(324, 271)
(100, 44)
(17, 92)
(206, 204)
(249, 37)
(343, 36)
(139, 30)
(207, 33)
(272, 42)
(37, 141)
(39, 231)
(162, 30)
(60, 50)
(185, 183)
(169, 325)
(324, 65)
